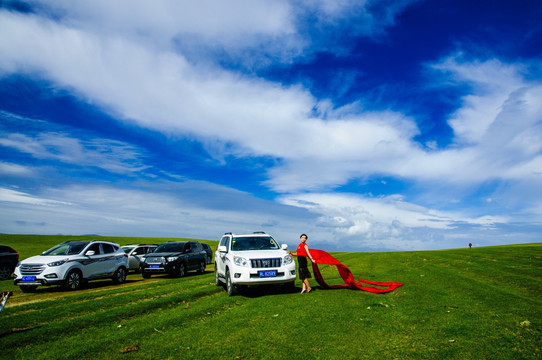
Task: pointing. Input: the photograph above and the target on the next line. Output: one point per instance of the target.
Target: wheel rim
(121, 275)
(202, 267)
(5, 272)
(74, 280)
(181, 270)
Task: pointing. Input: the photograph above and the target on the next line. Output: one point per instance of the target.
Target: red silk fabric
(322, 257)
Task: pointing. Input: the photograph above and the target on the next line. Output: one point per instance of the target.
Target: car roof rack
(228, 233)
(259, 232)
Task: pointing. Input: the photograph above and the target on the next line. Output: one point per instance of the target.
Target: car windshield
(127, 249)
(173, 247)
(68, 248)
(254, 243)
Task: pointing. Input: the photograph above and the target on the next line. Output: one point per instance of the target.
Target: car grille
(265, 263)
(155, 260)
(31, 269)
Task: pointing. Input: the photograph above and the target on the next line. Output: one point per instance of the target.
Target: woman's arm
(308, 252)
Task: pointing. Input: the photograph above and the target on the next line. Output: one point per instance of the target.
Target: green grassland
(479, 303)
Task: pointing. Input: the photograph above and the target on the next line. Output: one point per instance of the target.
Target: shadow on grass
(270, 290)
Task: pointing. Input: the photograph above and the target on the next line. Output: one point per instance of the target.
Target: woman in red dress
(302, 254)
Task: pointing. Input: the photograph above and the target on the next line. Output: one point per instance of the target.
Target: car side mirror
(90, 253)
(284, 247)
(222, 249)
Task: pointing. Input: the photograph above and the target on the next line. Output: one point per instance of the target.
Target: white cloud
(113, 156)
(9, 169)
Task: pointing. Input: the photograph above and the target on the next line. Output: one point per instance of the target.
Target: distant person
(302, 253)
(470, 245)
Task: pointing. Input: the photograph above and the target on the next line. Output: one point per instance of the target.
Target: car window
(196, 247)
(95, 248)
(127, 249)
(170, 247)
(68, 248)
(187, 248)
(254, 243)
(108, 248)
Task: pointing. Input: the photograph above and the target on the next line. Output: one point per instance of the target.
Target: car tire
(74, 280)
(28, 288)
(182, 270)
(119, 276)
(209, 259)
(201, 269)
(146, 275)
(230, 288)
(5, 271)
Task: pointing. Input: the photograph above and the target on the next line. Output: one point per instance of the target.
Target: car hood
(260, 254)
(42, 259)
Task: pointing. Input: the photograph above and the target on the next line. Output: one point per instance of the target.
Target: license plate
(268, 273)
(29, 278)
(154, 266)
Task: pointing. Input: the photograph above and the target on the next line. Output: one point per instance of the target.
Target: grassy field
(480, 303)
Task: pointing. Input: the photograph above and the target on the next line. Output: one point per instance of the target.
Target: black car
(175, 258)
(209, 252)
(8, 260)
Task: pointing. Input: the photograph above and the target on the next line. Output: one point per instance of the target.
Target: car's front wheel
(230, 288)
(120, 276)
(73, 280)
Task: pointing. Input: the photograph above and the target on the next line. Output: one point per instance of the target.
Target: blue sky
(369, 125)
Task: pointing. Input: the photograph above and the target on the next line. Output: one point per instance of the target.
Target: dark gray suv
(175, 258)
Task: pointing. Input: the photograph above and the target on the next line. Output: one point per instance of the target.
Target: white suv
(72, 263)
(252, 259)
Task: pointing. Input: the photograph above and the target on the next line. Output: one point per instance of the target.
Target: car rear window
(108, 248)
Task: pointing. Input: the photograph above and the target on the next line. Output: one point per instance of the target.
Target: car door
(93, 264)
(220, 257)
(193, 256)
(135, 256)
(109, 259)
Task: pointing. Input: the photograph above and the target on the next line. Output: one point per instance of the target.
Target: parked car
(175, 258)
(8, 260)
(135, 252)
(71, 264)
(209, 252)
(252, 259)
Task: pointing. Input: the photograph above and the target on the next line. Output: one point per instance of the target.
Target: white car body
(237, 265)
(72, 263)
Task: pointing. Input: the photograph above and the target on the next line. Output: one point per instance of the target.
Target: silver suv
(252, 259)
(72, 263)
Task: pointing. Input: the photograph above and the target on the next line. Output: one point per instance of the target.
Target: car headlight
(288, 259)
(57, 263)
(172, 258)
(240, 261)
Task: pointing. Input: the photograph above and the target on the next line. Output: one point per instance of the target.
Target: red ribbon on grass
(322, 257)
